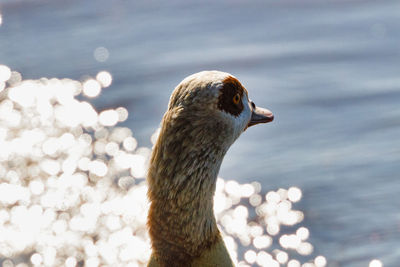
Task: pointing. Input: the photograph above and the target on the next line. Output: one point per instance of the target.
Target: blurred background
(329, 70)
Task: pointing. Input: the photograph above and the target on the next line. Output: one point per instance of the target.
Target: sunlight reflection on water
(72, 188)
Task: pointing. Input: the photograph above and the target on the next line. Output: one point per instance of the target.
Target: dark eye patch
(231, 87)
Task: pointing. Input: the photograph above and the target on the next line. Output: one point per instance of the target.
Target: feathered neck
(182, 178)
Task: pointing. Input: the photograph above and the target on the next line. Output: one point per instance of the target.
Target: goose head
(218, 102)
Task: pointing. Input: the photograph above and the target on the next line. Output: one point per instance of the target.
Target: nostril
(253, 105)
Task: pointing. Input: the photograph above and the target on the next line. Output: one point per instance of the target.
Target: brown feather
(231, 87)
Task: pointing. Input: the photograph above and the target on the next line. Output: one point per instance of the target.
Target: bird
(206, 113)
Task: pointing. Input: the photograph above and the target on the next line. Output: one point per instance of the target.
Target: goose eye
(236, 99)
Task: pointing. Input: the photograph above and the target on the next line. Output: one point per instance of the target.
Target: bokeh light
(293, 263)
(101, 54)
(320, 261)
(294, 194)
(5, 73)
(15, 78)
(91, 88)
(375, 263)
(73, 193)
(104, 78)
(108, 117)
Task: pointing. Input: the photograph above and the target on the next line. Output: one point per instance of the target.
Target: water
(328, 70)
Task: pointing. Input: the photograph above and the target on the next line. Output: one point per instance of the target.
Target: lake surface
(329, 70)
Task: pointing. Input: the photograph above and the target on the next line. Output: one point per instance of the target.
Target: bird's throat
(181, 218)
(181, 222)
(182, 177)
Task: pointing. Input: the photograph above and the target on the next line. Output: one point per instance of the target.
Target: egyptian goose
(207, 112)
